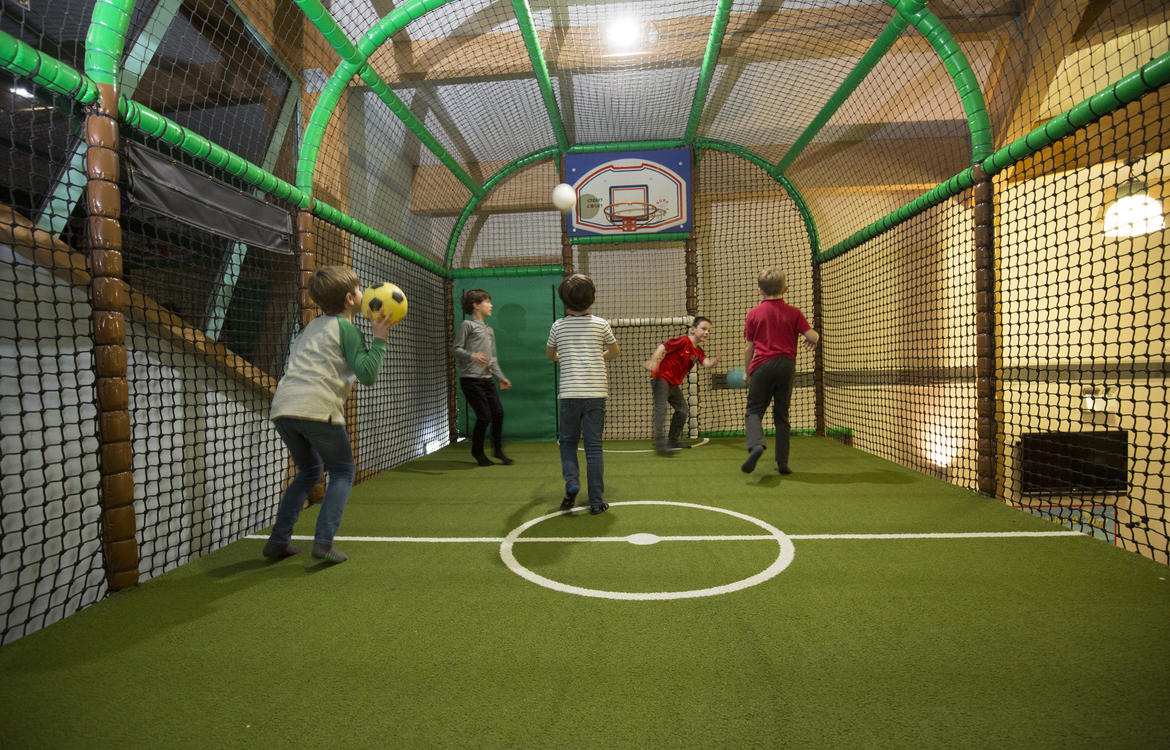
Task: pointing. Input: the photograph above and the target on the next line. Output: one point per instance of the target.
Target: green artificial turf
(1029, 642)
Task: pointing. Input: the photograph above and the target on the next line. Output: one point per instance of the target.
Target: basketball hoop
(629, 214)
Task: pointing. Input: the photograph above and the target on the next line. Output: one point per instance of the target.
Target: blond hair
(772, 282)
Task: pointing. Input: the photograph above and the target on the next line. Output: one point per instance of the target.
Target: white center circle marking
(783, 558)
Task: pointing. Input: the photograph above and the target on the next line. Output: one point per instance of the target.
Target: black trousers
(484, 400)
(771, 383)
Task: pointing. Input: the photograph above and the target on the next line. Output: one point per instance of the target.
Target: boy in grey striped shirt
(581, 343)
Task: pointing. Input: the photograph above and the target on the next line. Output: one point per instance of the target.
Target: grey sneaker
(596, 510)
(329, 554)
(275, 551)
(753, 457)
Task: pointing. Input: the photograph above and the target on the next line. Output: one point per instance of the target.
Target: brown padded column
(109, 297)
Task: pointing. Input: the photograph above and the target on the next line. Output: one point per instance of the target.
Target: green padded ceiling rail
(469, 273)
(330, 95)
(491, 182)
(320, 17)
(748, 155)
(966, 84)
(594, 148)
(104, 46)
(540, 67)
(630, 238)
(58, 77)
(1150, 77)
(956, 63)
(707, 70)
(701, 143)
(866, 64)
(27, 62)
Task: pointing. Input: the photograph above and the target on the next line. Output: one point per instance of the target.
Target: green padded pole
(27, 62)
(1132, 87)
(319, 16)
(540, 67)
(966, 83)
(507, 169)
(390, 24)
(748, 155)
(318, 121)
(106, 39)
(593, 148)
(707, 71)
(631, 237)
(470, 273)
(866, 64)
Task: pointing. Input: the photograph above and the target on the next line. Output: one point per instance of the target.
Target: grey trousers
(771, 383)
(664, 394)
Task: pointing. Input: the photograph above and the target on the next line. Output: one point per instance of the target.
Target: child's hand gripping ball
(387, 298)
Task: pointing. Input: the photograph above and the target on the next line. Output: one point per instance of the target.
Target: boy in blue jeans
(581, 343)
(308, 408)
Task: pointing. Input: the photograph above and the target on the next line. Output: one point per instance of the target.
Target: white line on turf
(784, 557)
(785, 553)
(711, 538)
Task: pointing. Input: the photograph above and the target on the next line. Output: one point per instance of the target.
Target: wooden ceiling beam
(788, 35)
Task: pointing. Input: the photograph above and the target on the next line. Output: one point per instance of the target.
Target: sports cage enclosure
(939, 183)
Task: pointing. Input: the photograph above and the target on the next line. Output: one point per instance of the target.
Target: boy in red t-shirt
(769, 361)
(668, 366)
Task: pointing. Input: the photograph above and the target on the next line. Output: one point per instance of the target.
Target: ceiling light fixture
(625, 35)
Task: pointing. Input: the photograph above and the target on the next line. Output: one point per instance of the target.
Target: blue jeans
(583, 415)
(315, 446)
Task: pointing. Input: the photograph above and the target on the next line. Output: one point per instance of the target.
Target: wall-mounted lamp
(1100, 398)
(1133, 210)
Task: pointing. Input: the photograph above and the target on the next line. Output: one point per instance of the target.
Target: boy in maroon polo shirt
(668, 366)
(769, 363)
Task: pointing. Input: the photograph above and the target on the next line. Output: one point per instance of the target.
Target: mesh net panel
(1079, 399)
(1083, 318)
(735, 200)
(899, 344)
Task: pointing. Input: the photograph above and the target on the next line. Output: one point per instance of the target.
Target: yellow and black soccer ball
(384, 298)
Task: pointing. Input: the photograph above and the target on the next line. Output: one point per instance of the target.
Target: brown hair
(473, 297)
(577, 292)
(773, 282)
(329, 285)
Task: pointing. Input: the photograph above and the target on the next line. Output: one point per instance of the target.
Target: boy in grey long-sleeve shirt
(475, 350)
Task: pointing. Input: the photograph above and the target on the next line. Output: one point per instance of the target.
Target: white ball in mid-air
(564, 197)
